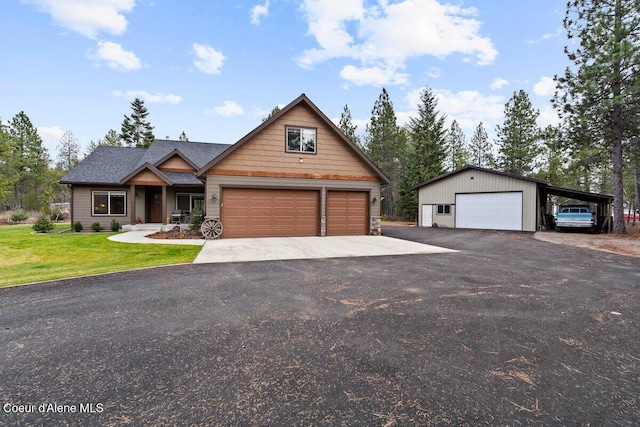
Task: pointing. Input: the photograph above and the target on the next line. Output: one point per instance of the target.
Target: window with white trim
(109, 203)
(443, 210)
(301, 140)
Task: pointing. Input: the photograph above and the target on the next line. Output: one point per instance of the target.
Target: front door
(154, 205)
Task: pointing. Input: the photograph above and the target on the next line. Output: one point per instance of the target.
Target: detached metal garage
(479, 198)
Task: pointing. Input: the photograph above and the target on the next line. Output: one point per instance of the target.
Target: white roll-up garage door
(489, 211)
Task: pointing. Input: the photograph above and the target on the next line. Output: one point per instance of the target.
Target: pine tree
(183, 137)
(5, 147)
(427, 151)
(68, 152)
(348, 128)
(136, 131)
(111, 139)
(599, 97)
(26, 164)
(480, 148)
(273, 112)
(385, 147)
(457, 152)
(518, 139)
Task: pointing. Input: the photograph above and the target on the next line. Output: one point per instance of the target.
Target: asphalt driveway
(507, 331)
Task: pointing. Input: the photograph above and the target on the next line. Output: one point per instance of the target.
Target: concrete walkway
(283, 248)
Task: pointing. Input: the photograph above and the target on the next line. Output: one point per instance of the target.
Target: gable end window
(444, 210)
(301, 140)
(109, 203)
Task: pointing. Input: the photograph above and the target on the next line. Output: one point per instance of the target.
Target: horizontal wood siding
(83, 207)
(265, 154)
(146, 177)
(474, 181)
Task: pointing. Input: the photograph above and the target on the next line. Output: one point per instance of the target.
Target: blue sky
(214, 69)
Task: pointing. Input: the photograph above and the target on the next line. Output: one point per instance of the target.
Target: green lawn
(27, 257)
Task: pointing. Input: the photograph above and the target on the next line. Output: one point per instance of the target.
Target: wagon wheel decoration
(211, 228)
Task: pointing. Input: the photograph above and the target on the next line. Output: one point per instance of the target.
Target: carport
(603, 204)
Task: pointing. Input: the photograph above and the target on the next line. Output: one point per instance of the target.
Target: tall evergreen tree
(136, 131)
(273, 112)
(457, 152)
(5, 147)
(68, 152)
(385, 146)
(183, 137)
(519, 138)
(27, 163)
(599, 96)
(347, 126)
(427, 153)
(480, 148)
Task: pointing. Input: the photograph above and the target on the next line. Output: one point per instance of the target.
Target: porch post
(132, 200)
(164, 204)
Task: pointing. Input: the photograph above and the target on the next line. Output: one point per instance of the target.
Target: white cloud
(258, 11)
(50, 136)
(87, 17)
(468, 108)
(548, 117)
(434, 72)
(158, 98)
(387, 35)
(115, 56)
(545, 87)
(228, 109)
(208, 60)
(375, 76)
(499, 84)
(559, 32)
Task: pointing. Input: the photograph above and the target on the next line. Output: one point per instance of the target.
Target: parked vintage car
(575, 217)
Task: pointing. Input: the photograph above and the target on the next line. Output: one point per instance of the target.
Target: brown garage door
(347, 213)
(252, 212)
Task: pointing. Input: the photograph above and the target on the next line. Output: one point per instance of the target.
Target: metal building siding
(445, 190)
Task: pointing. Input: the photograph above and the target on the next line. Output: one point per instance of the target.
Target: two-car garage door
(259, 212)
(493, 211)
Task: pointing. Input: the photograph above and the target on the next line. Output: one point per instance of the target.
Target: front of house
(294, 175)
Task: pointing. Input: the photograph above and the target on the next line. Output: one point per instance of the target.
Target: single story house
(481, 198)
(296, 174)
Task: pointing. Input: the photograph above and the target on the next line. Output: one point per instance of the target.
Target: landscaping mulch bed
(173, 234)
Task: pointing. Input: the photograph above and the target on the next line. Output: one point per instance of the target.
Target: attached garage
(347, 213)
(259, 212)
(490, 211)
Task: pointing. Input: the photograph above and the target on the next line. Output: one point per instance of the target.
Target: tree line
(594, 148)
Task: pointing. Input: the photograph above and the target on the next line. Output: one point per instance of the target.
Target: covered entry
(259, 212)
(492, 211)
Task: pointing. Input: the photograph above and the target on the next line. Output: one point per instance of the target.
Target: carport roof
(575, 194)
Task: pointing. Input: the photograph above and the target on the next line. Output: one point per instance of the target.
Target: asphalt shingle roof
(109, 165)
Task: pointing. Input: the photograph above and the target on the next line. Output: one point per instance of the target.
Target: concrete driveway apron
(283, 248)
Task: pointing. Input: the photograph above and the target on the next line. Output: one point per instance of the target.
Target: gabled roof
(544, 186)
(173, 153)
(302, 99)
(111, 165)
(150, 168)
(477, 168)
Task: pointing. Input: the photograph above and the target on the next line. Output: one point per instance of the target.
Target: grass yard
(27, 257)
